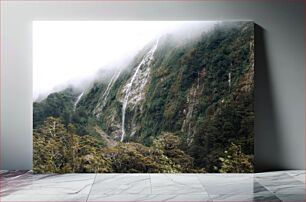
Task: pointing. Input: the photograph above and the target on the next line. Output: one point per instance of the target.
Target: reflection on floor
(272, 186)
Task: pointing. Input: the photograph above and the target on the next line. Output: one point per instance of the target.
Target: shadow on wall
(268, 152)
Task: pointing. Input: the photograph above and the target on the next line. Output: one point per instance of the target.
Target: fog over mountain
(146, 97)
(74, 53)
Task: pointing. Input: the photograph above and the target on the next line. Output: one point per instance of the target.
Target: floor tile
(13, 175)
(298, 175)
(282, 184)
(121, 184)
(3, 171)
(175, 184)
(286, 186)
(43, 198)
(49, 184)
(276, 175)
(236, 184)
(244, 198)
(266, 198)
(150, 198)
(260, 189)
(11, 182)
(292, 197)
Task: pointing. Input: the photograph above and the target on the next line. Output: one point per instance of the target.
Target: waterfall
(146, 60)
(229, 80)
(105, 94)
(77, 101)
(109, 87)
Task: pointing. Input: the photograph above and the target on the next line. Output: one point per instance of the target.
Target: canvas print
(143, 96)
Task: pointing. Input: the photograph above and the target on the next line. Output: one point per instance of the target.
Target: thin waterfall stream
(146, 60)
(77, 101)
(105, 94)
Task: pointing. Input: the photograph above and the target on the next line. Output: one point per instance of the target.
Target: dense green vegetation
(58, 149)
(197, 114)
(58, 104)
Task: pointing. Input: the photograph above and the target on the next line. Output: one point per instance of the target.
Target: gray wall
(280, 98)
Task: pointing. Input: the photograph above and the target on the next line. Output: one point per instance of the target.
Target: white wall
(280, 63)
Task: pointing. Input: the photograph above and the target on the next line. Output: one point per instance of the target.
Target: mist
(76, 53)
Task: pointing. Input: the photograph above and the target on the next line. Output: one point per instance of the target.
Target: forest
(180, 106)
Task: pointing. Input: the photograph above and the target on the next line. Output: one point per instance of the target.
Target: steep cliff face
(200, 90)
(171, 84)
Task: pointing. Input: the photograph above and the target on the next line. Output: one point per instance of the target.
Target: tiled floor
(272, 186)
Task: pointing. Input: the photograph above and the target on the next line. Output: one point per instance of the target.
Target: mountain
(201, 90)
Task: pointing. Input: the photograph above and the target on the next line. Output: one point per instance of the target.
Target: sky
(66, 52)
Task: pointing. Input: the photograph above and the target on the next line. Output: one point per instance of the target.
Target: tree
(167, 148)
(234, 161)
(59, 150)
(52, 146)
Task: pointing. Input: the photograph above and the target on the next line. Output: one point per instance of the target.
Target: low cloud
(75, 53)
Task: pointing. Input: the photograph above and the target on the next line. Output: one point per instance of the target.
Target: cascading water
(146, 60)
(104, 96)
(109, 87)
(77, 101)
